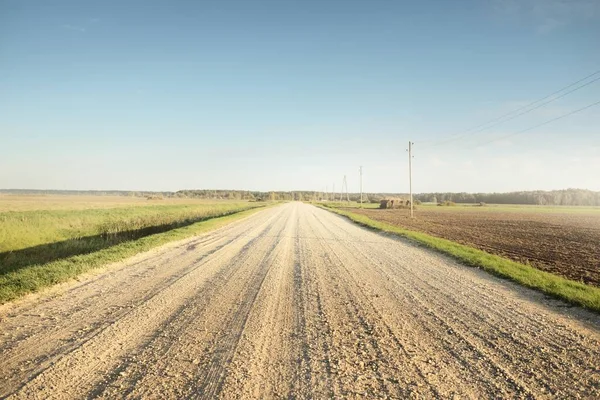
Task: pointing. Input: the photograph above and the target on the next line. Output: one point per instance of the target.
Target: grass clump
(576, 293)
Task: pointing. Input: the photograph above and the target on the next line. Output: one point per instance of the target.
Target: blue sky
(285, 95)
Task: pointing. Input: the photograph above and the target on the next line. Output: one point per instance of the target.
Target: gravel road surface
(296, 302)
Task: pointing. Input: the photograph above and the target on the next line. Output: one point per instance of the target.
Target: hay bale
(394, 203)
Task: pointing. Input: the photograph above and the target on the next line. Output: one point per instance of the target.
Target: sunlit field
(54, 229)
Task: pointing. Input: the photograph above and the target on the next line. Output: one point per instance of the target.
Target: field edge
(573, 292)
(17, 284)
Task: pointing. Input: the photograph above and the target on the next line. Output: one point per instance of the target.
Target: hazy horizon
(275, 95)
(266, 191)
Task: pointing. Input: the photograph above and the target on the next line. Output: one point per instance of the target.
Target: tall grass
(19, 230)
(36, 237)
(32, 278)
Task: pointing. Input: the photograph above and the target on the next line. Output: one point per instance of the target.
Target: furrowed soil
(296, 302)
(566, 244)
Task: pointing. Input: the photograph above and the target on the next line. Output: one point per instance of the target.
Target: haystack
(394, 203)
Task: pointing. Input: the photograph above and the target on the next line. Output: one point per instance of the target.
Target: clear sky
(290, 95)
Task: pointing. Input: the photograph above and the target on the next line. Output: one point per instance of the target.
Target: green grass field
(20, 230)
(39, 248)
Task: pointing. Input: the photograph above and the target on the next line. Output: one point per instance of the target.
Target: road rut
(296, 302)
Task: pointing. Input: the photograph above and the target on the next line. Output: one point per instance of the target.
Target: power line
(542, 124)
(539, 105)
(521, 110)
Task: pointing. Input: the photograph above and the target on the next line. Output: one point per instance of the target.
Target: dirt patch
(564, 244)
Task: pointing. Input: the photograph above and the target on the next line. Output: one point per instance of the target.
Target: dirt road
(296, 302)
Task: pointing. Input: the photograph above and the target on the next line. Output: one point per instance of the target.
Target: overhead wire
(521, 110)
(541, 124)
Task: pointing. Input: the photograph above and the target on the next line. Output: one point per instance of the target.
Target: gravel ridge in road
(296, 302)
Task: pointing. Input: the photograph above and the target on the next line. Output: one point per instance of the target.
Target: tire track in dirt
(109, 338)
(267, 338)
(295, 302)
(83, 330)
(174, 355)
(419, 380)
(476, 335)
(434, 330)
(167, 354)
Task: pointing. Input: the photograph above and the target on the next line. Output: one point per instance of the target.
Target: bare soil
(565, 244)
(296, 302)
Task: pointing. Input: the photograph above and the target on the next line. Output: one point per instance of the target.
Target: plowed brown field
(566, 244)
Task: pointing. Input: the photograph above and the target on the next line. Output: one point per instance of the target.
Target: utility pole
(344, 184)
(333, 193)
(347, 193)
(410, 176)
(360, 171)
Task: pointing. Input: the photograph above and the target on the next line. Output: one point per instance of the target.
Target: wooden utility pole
(360, 171)
(410, 176)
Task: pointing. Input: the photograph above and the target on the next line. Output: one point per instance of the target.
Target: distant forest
(567, 197)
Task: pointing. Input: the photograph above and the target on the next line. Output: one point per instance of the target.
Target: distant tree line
(568, 197)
